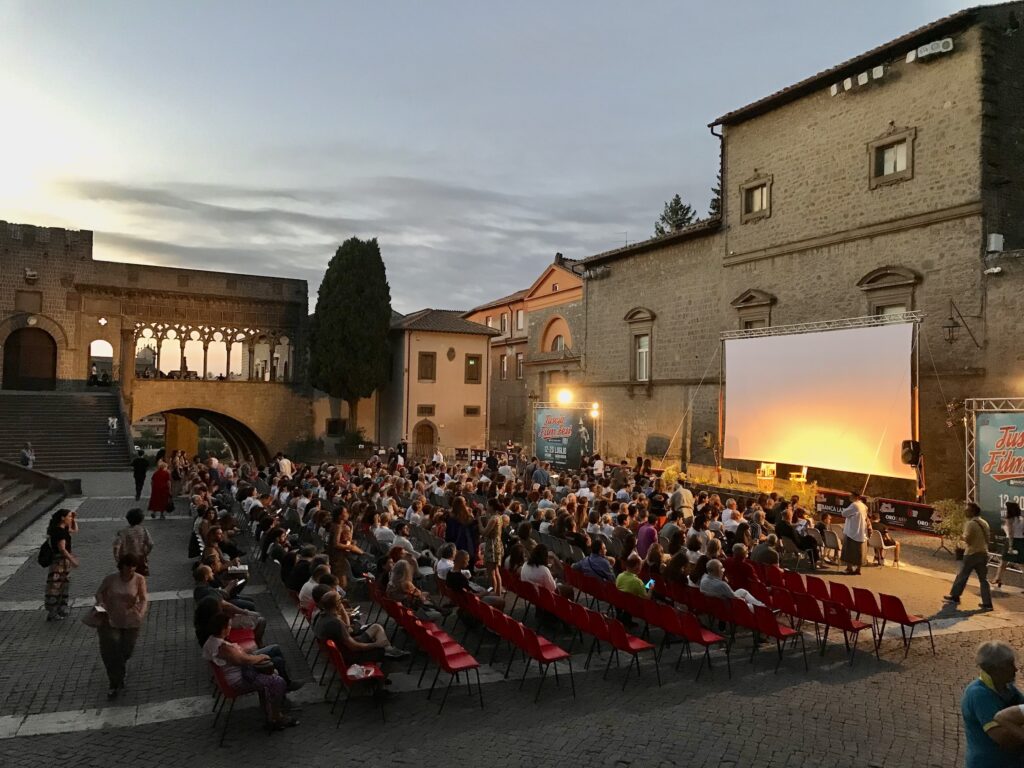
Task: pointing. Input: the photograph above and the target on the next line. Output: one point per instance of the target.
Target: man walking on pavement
(139, 466)
(976, 538)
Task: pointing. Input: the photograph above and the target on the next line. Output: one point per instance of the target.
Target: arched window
(556, 336)
(558, 343)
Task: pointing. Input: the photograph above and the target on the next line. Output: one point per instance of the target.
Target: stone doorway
(30, 360)
(424, 438)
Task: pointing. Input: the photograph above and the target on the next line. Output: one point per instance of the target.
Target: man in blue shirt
(992, 744)
(596, 563)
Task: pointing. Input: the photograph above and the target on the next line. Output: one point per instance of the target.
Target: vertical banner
(999, 462)
(563, 436)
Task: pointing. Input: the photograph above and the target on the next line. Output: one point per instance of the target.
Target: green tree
(715, 208)
(676, 214)
(349, 352)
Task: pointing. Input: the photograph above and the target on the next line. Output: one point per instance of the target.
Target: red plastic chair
(783, 602)
(865, 604)
(544, 652)
(761, 570)
(453, 663)
(817, 588)
(839, 617)
(347, 682)
(226, 692)
(794, 582)
(840, 593)
(807, 609)
(692, 631)
(893, 610)
(770, 628)
(775, 576)
(597, 628)
(760, 592)
(634, 646)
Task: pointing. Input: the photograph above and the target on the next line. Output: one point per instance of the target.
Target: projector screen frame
(867, 321)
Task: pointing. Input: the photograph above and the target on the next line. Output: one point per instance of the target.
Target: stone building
(535, 352)
(185, 343)
(888, 182)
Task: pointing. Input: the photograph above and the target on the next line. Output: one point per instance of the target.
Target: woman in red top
(160, 496)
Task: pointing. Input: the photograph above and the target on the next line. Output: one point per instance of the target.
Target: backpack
(45, 556)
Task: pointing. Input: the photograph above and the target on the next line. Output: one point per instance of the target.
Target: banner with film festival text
(999, 461)
(563, 436)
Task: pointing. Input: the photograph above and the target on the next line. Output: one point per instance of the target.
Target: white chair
(833, 545)
(876, 543)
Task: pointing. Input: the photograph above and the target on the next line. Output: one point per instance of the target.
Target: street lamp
(564, 396)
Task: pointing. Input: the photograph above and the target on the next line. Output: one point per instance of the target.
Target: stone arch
(639, 315)
(556, 326)
(30, 360)
(241, 439)
(43, 322)
(887, 277)
(889, 288)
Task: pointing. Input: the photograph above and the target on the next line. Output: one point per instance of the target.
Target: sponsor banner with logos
(999, 462)
(832, 502)
(906, 514)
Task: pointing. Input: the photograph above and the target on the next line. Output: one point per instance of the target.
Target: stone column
(126, 374)
(156, 358)
(229, 344)
(206, 351)
(252, 361)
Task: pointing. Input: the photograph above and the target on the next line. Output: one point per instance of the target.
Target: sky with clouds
(474, 139)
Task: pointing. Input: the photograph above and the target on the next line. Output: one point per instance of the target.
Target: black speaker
(910, 452)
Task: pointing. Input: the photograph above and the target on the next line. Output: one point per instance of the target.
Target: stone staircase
(68, 430)
(25, 496)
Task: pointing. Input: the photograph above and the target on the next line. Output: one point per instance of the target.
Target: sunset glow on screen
(833, 399)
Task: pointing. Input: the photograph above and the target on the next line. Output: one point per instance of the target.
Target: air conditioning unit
(936, 48)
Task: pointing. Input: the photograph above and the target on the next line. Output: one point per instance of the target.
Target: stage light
(564, 396)
(594, 407)
(595, 413)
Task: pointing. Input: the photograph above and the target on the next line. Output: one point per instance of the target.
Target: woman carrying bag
(121, 603)
(58, 578)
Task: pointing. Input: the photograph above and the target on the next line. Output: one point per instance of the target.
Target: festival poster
(999, 462)
(563, 436)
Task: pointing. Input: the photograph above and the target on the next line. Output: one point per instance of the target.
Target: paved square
(892, 712)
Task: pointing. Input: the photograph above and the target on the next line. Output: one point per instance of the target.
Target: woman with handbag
(58, 578)
(160, 499)
(123, 599)
(134, 540)
(245, 672)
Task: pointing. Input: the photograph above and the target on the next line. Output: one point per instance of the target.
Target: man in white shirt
(306, 593)
(598, 466)
(383, 532)
(713, 585)
(506, 471)
(584, 492)
(401, 537)
(681, 500)
(546, 502)
(445, 561)
(438, 457)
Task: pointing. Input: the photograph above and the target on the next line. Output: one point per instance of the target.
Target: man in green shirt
(629, 580)
(976, 538)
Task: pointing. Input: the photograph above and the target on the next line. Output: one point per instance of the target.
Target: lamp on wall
(952, 326)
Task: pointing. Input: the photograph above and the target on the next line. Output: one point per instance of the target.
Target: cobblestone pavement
(888, 712)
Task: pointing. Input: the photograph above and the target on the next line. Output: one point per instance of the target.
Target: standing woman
(494, 549)
(58, 579)
(134, 540)
(341, 546)
(1013, 526)
(855, 532)
(124, 598)
(160, 493)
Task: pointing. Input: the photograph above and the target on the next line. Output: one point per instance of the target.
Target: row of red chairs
(534, 647)
(436, 644)
(601, 628)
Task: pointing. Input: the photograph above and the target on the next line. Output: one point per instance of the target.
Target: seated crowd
(326, 526)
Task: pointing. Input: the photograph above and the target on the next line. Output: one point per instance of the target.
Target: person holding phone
(58, 578)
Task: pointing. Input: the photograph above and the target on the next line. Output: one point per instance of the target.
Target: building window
(427, 366)
(558, 343)
(336, 427)
(504, 323)
(520, 319)
(554, 287)
(14, 231)
(504, 367)
(891, 157)
(471, 410)
(642, 357)
(489, 321)
(890, 309)
(754, 308)
(473, 369)
(424, 410)
(519, 365)
(756, 199)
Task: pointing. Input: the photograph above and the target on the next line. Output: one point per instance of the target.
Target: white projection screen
(836, 399)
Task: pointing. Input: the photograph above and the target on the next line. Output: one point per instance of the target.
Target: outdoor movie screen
(838, 399)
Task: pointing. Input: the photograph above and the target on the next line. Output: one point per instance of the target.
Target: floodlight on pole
(564, 396)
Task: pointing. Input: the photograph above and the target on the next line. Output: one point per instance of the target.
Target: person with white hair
(713, 585)
(991, 708)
